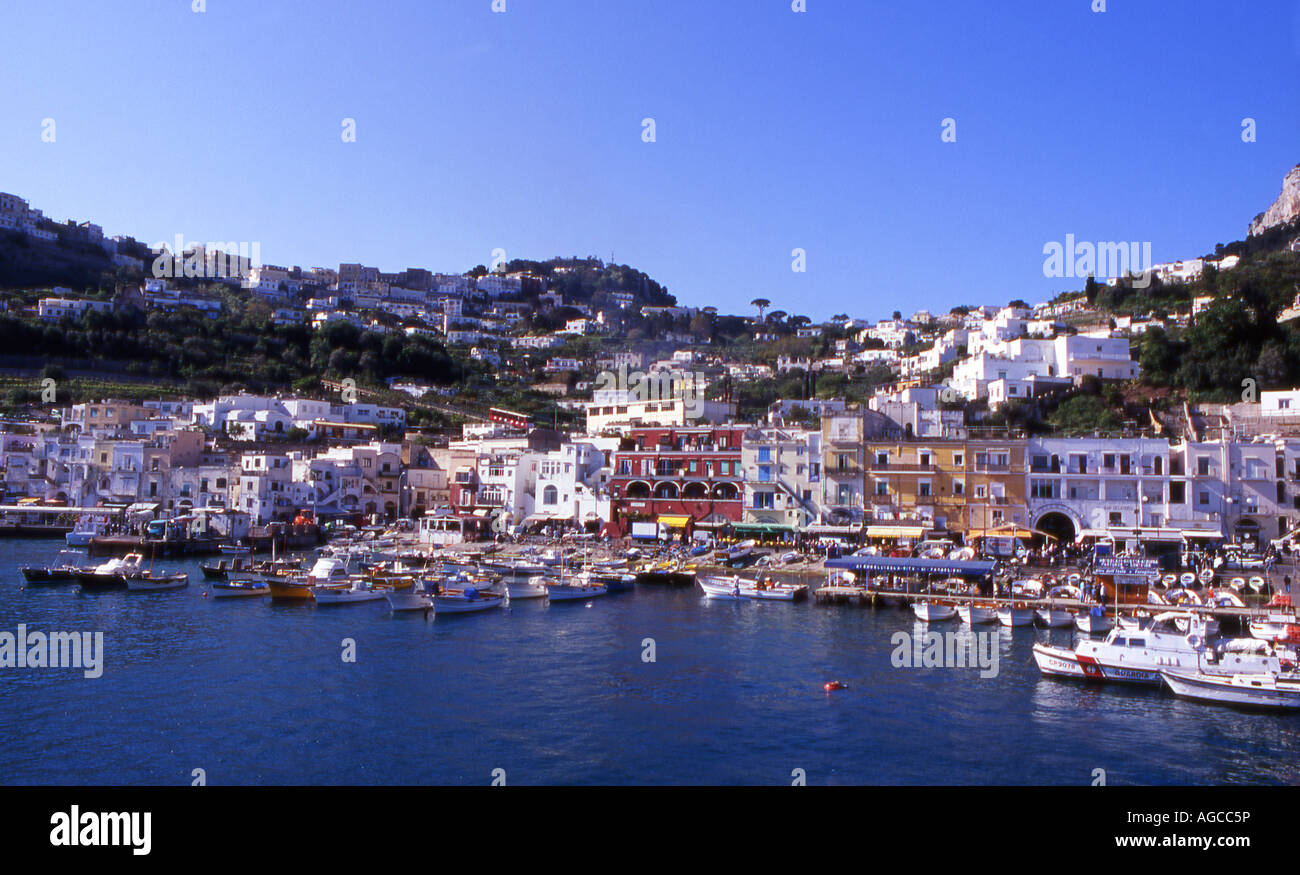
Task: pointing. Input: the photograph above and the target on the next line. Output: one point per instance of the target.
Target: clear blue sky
(776, 130)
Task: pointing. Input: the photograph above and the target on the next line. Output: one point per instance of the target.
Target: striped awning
(675, 522)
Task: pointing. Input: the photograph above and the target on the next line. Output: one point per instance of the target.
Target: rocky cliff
(1285, 209)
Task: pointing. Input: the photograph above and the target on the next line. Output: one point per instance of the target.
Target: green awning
(762, 528)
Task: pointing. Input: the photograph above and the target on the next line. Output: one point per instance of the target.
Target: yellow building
(964, 486)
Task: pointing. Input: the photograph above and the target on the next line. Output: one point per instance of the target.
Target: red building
(686, 478)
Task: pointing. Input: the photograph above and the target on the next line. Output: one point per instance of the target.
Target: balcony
(902, 468)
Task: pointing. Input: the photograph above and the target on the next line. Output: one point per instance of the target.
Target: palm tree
(762, 304)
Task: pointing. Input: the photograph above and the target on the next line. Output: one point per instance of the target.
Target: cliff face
(1285, 209)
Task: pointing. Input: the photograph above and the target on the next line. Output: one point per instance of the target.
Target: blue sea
(255, 693)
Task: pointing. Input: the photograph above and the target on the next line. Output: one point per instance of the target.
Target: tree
(762, 304)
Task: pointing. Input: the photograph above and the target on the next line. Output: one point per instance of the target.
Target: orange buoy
(831, 686)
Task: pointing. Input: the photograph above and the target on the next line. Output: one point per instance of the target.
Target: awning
(675, 522)
(142, 507)
(901, 565)
(1206, 535)
(897, 531)
(823, 529)
(763, 528)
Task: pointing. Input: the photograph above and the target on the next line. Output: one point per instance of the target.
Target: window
(882, 487)
(1203, 466)
(981, 492)
(764, 473)
(1116, 518)
(1177, 493)
(923, 489)
(764, 500)
(958, 459)
(549, 495)
(958, 487)
(764, 454)
(1203, 497)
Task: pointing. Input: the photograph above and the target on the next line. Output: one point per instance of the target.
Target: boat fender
(1194, 640)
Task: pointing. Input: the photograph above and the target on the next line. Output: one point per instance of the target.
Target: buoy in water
(832, 686)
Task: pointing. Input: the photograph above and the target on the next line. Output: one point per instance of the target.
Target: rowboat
(149, 582)
(1263, 690)
(574, 590)
(242, 588)
(415, 598)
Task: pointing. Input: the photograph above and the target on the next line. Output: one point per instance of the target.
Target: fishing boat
(1016, 615)
(736, 588)
(1138, 656)
(928, 611)
(1274, 626)
(977, 614)
(1255, 690)
(1094, 621)
(416, 598)
(614, 581)
(150, 582)
(465, 601)
(1225, 598)
(239, 588)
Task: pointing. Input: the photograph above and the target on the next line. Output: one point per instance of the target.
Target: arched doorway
(1058, 525)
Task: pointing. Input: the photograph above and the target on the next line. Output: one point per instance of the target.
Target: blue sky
(522, 130)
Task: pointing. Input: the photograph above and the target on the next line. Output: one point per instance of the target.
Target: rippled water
(257, 693)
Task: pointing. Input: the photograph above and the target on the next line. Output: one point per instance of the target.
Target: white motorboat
(1054, 618)
(739, 552)
(932, 612)
(1029, 589)
(736, 588)
(1255, 690)
(1093, 621)
(975, 614)
(113, 572)
(1174, 640)
(1020, 615)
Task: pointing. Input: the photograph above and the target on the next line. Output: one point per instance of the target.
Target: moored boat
(736, 588)
(1053, 618)
(112, 573)
(976, 614)
(149, 582)
(932, 612)
(241, 588)
(465, 601)
(1093, 621)
(1257, 690)
(1016, 615)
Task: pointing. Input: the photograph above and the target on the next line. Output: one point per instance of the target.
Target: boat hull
(1012, 617)
(930, 613)
(1053, 618)
(1256, 692)
(976, 615)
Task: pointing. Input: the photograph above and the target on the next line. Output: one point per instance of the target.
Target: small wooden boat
(415, 598)
(574, 590)
(737, 588)
(242, 588)
(1257, 690)
(1054, 618)
(465, 601)
(1016, 615)
(932, 612)
(359, 591)
(150, 582)
(976, 614)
